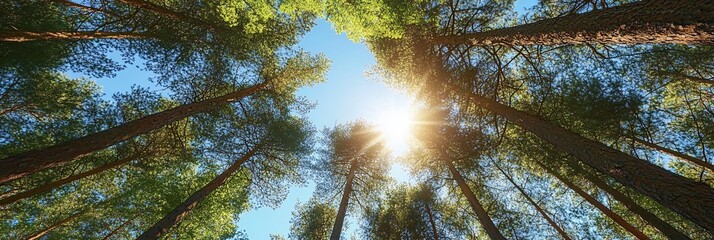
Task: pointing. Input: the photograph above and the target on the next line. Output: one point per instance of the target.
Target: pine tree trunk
(143, 4)
(609, 213)
(344, 202)
(483, 218)
(119, 228)
(17, 166)
(540, 210)
(693, 200)
(674, 153)
(431, 221)
(19, 36)
(177, 214)
(647, 21)
(662, 226)
(49, 186)
(45, 231)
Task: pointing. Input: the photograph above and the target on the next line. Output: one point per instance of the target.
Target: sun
(395, 127)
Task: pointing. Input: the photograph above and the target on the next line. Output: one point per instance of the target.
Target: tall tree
(178, 213)
(285, 77)
(540, 210)
(312, 220)
(648, 21)
(353, 163)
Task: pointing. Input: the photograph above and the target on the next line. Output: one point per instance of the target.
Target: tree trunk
(119, 228)
(431, 221)
(540, 210)
(83, 7)
(647, 21)
(674, 153)
(662, 226)
(340, 219)
(693, 200)
(43, 232)
(49, 186)
(143, 4)
(483, 218)
(609, 213)
(177, 214)
(19, 36)
(17, 166)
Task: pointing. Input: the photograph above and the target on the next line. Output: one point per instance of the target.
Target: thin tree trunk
(662, 226)
(20, 36)
(83, 7)
(17, 166)
(647, 21)
(673, 153)
(177, 214)
(483, 218)
(143, 4)
(43, 232)
(344, 202)
(691, 199)
(49, 186)
(540, 210)
(609, 213)
(119, 228)
(431, 221)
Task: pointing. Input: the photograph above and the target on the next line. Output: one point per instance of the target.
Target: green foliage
(354, 146)
(312, 220)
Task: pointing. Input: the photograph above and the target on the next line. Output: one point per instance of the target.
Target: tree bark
(609, 213)
(647, 21)
(49, 186)
(540, 210)
(143, 4)
(662, 226)
(691, 199)
(431, 221)
(673, 153)
(44, 232)
(344, 202)
(177, 214)
(17, 166)
(483, 218)
(20, 36)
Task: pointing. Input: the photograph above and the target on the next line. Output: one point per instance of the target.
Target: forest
(576, 119)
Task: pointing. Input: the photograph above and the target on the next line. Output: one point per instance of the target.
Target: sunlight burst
(395, 127)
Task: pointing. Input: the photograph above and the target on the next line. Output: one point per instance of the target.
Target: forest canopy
(570, 119)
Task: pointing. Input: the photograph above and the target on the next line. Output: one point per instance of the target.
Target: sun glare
(395, 127)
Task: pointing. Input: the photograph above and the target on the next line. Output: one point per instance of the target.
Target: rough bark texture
(19, 36)
(483, 218)
(431, 221)
(691, 199)
(43, 232)
(662, 226)
(49, 186)
(340, 219)
(17, 166)
(172, 14)
(648, 21)
(540, 210)
(609, 213)
(679, 155)
(177, 214)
